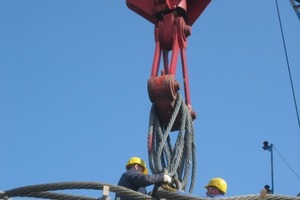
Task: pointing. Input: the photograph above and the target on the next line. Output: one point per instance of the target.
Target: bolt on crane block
(173, 20)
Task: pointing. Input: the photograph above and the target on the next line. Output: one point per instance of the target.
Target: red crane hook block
(173, 20)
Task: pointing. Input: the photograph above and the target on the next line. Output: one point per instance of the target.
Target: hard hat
(139, 161)
(218, 183)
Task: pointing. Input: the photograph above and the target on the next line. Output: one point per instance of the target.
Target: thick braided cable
(53, 195)
(163, 194)
(189, 154)
(160, 151)
(166, 135)
(41, 191)
(157, 140)
(178, 154)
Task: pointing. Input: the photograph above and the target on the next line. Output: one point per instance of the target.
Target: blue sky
(74, 104)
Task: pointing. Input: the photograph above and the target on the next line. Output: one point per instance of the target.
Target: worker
(267, 188)
(216, 188)
(136, 177)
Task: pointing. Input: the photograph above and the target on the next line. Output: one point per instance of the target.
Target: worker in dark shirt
(136, 178)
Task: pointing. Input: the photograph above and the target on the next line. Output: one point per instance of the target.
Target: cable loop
(179, 157)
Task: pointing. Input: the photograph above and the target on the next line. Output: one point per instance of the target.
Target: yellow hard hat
(218, 183)
(139, 161)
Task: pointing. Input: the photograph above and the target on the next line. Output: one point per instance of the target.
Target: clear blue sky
(74, 104)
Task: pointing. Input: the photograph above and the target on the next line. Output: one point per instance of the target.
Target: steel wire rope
(54, 195)
(156, 133)
(287, 62)
(163, 194)
(162, 154)
(41, 191)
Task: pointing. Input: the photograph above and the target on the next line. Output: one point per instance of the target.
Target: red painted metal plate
(145, 9)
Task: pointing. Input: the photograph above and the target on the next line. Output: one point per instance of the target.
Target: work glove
(167, 178)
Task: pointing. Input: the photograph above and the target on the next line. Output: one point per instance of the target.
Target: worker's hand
(167, 178)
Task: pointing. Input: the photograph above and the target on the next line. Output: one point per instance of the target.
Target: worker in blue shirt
(136, 178)
(216, 188)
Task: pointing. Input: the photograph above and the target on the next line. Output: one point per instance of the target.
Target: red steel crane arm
(172, 20)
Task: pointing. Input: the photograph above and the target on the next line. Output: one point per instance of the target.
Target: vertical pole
(272, 174)
(268, 147)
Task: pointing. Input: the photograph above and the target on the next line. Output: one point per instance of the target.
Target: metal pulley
(162, 91)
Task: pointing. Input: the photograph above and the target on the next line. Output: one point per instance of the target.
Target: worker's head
(267, 187)
(138, 164)
(216, 186)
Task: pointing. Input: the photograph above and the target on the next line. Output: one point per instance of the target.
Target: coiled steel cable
(42, 191)
(162, 154)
